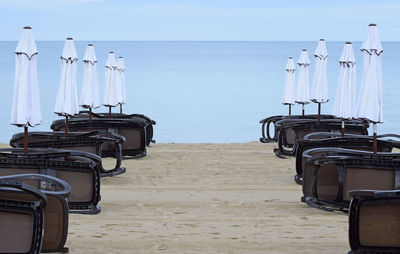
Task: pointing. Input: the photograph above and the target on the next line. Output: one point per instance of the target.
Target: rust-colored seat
(99, 143)
(374, 221)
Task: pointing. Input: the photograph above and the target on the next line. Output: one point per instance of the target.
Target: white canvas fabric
(26, 102)
(67, 97)
(303, 89)
(345, 101)
(370, 93)
(290, 84)
(110, 91)
(319, 88)
(121, 87)
(90, 86)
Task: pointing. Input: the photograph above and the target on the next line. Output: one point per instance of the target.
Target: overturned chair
(79, 169)
(132, 129)
(289, 131)
(34, 214)
(330, 173)
(328, 139)
(101, 143)
(374, 221)
(266, 124)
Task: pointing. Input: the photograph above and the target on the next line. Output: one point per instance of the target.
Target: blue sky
(243, 20)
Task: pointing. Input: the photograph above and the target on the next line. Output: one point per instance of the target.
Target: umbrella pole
(25, 139)
(290, 109)
(342, 130)
(120, 108)
(319, 112)
(90, 113)
(375, 141)
(109, 111)
(66, 125)
(302, 110)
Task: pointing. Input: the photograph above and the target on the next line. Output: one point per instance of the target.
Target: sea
(198, 91)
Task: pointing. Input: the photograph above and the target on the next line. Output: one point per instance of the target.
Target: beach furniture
(328, 139)
(100, 143)
(330, 173)
(132, 128)
(374, 221)
(290, 130)
(79, 169)
(34, 214)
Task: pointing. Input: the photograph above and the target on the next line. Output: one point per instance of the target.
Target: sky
(204, 20)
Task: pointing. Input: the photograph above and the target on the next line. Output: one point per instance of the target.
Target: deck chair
(327, 139)
(55, 213)
(99, 143)
(374, 222)
(133, 130)
(291, 130)
(270, 121)
(79, 169)
(330, 173)
(139, 117)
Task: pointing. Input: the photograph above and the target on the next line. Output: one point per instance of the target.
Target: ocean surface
(198, 91)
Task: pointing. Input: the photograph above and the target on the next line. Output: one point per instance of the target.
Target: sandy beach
(207, 198)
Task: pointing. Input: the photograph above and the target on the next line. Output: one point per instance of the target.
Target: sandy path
(207, 198)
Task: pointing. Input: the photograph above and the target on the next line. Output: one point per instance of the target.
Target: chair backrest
(79, 169)
(374, 221)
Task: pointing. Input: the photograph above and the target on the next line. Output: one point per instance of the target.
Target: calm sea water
(198, 91)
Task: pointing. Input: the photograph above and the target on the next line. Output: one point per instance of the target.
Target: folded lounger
(291, 130)
(133, 130)
(139, 117)
(266, 125)
(95, 142)
(330, 173)
(374, 222)
(326, 139)
(79, 169)
(33, 220)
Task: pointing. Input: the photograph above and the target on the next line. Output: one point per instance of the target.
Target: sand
(207, 198)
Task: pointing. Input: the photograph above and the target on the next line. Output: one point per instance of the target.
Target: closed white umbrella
(370, 94)
(319, 88)
(26, 102)
(90, 87)
(303, 90)
(67, 97)
(121, 88)
(345, 101)
(290, 85)
(110, 95)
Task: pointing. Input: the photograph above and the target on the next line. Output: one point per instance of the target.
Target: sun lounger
(291, 130)
(266, 125)
(326, 139)
(139, 117)
(374, 222)
(102, 144)
(133, 130)
(33, 219)
(79, 169)
(330, 173)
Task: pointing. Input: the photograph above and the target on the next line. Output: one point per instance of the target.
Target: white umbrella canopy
(345, 102)
(121, 87)
(90, 87)
(319, 88)
(67, 97)
(110, 91)
(290, 84)
(26, 102)
(370, 93)
(303, 90)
